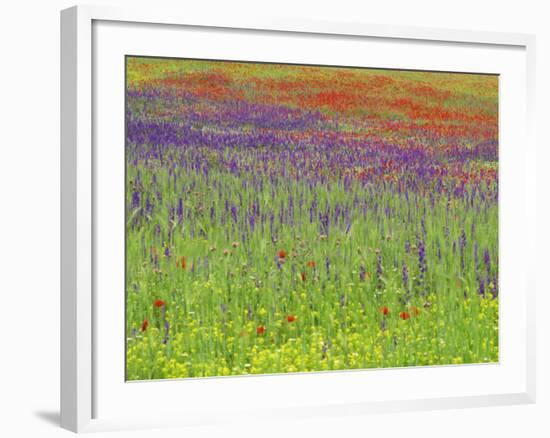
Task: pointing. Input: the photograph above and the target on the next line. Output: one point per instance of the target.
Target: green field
(274, 226)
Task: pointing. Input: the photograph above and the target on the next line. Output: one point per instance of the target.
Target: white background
(29, 218)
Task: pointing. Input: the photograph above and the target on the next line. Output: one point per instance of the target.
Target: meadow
(284, 218)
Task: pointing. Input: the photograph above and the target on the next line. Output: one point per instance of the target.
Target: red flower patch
(159, 303)
(144, 325)
(404, 316)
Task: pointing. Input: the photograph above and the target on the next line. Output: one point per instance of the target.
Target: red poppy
(303, 276)
(282, 254)
(291, 318)
(404, 316)
(415, 311)
(159, 303)
(260, 330)
(183, 262)
(144, 325)
(384, 310)
(311, 264)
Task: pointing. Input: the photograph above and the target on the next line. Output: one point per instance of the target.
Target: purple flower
(422, 267)
(166, 331)
(487, 260)
(136, 199)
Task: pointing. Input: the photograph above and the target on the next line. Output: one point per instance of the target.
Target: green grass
(214, 307)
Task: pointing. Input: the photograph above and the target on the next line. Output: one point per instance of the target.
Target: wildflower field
(284, 218)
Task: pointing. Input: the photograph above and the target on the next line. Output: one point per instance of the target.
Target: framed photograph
(271, 218)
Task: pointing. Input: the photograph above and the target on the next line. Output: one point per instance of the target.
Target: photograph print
(304, 218)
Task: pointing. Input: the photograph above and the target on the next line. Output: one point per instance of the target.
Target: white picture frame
(82, 171)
